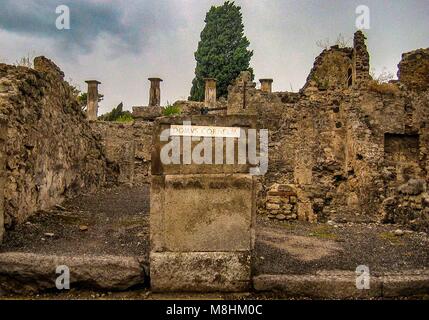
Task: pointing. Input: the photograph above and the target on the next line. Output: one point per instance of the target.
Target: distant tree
(82, 99)
(222, 51)
(117, 114)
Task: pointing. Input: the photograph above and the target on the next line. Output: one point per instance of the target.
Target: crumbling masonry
(342, 148)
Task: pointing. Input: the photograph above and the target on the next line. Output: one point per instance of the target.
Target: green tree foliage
(82, 99)
(117, 114)
(222, 51)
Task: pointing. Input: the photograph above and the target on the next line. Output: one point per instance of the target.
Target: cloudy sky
(122, 43)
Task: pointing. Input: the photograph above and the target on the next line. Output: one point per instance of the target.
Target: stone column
(92, 107)
(361, 59)
(155, 92)
(266, 85)
(210, 94)
(3, 141)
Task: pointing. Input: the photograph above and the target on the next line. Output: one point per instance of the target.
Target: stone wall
(342, 148)
(128, 150)
(51, 151)
(414, 69)
(3, 142)
(194, 107)
(333, 68)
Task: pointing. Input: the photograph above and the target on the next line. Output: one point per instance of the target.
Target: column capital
(93, 82)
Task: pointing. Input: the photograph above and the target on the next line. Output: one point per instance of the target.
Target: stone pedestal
(202, 219)
(92, 99)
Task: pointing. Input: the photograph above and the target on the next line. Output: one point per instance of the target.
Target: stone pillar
(92, 103)
(266, 85)
(155, 92)
(210, 95)
(3, 140)
(360, 59)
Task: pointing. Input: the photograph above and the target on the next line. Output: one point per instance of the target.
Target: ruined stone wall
(333, 68)
(194, 107)
(414, 69)
(128, 150)
(51, 151)
(343, 152)
(330, 148)
(361, 64)
(3, 142)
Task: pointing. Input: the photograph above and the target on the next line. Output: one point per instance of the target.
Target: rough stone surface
(3, 136)
(413, 187)
(147, 113)
(22, 272)
(343, 145)
(281, 202)
(51, 150)
(202, 213)
(128, 150)
(327, 285)
(414, 69)
(342, 284)
(200, 271)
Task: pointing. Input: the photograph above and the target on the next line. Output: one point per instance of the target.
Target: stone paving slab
(342, 285)
(27, 272)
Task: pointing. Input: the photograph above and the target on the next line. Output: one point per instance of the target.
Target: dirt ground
(111, 222)
(298, 248)
(116, 222)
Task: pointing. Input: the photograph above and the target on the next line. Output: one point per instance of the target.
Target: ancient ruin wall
(51, 151)
(128, 150)
(414, 69)
(344, 151)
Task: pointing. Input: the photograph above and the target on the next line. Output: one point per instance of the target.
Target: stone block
(147, 113)
(200, 271)
(164, 123)
(274, 199)
(322, 285)
(202, 212)
(22, 272)
(273, 206)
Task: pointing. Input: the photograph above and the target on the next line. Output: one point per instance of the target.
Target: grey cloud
(128, 24)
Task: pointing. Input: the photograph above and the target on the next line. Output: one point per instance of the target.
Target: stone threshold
(29, 272)
(342, 284)
(22, 273)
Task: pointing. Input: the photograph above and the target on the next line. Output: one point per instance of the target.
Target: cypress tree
(222, 51)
